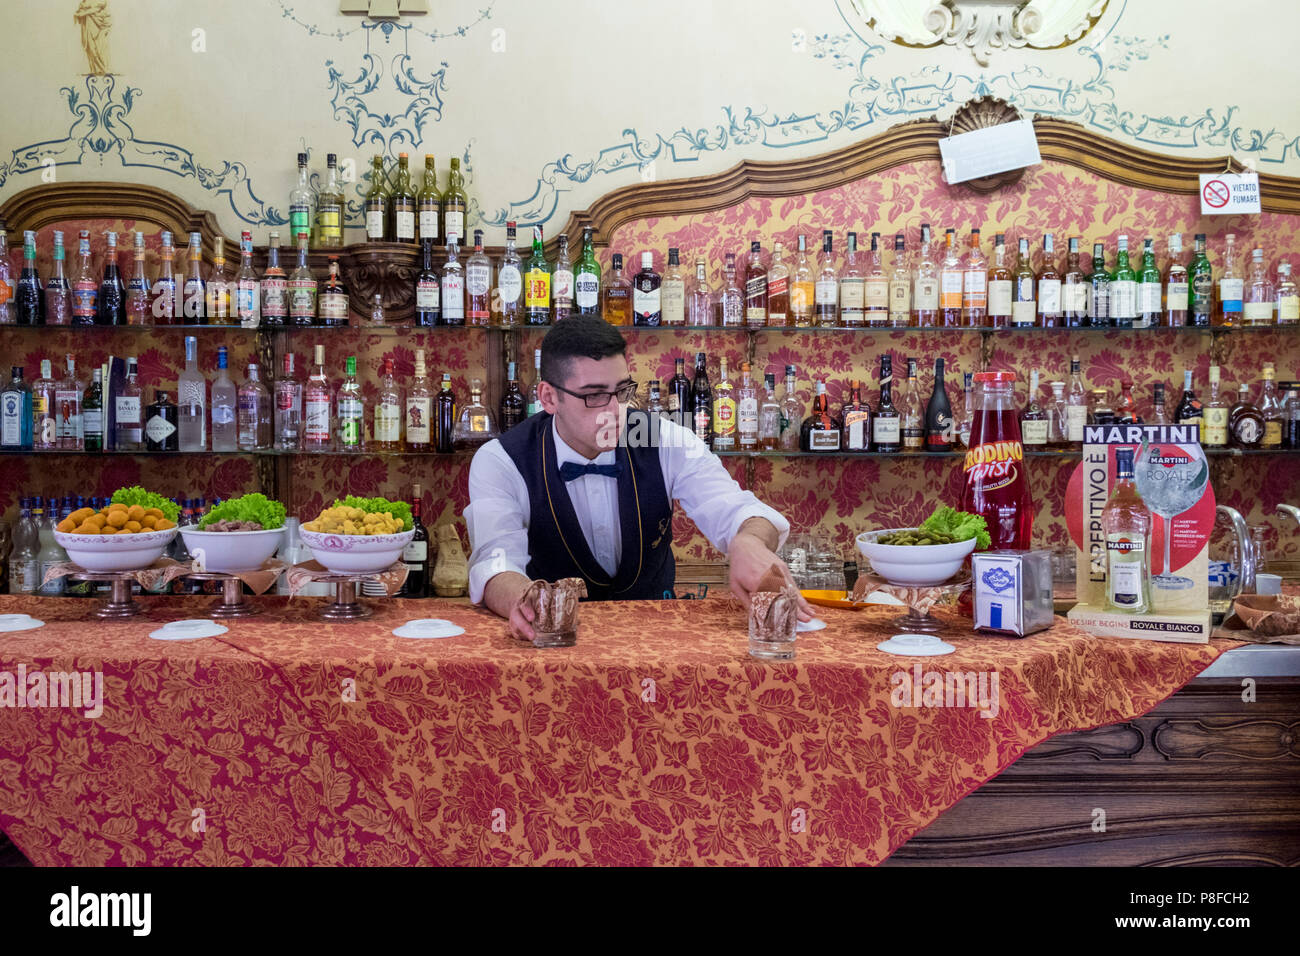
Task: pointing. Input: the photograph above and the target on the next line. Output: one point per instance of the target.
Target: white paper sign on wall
(984, 152)
(1227, 194)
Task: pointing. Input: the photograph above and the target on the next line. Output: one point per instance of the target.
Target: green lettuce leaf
(255, 507)
(960, 524)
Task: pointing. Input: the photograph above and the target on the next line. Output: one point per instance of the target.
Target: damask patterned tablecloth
(655, 740)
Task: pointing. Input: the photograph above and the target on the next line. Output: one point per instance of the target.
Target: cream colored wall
(553, 104)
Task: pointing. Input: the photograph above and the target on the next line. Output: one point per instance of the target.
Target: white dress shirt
(498, 512)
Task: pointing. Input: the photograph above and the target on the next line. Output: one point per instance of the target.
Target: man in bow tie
(561, 496)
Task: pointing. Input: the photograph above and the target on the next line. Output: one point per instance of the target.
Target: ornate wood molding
(909, 142)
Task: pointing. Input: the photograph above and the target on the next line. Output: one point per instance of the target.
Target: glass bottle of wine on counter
(416, 553)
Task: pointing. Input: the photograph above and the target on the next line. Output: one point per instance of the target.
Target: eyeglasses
(624, 392)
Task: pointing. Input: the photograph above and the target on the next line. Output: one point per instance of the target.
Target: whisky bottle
(801, 288)
(1099, 289)
(647, 302)
(218, 291)
(1288, 296)
(1230, 285)
(455, 205)
(999, 286)
(876, 288)
(755, 287)
(1123, 290)
(1148, 289)
(912, 423)
(853, 292)
(1214, 432)
(1049, 287)
(1200, 276)
(1190, 411)
(537, 283)
(950, 283)
(1176, 287)
(1074, 289)
(1245, 421)
(1257, 301)
(827, 290)
(1022, 289)
(820, 431)
(925, 288)
(1271, 408)
(586, 278)
(402, 204)
(1033, 419)
(974, 291)
(672, 291)
(561, 283)
(855, 421)
(375, 205)
(938, 414)
(616, 301)
(1076, 405)
(730, 311)
(900, 287)
(724, 411)
(886, 428)
(333, 299)
(778, 289)
(510, 282)
(428, 203)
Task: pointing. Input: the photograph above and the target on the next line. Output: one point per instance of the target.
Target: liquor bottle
(586, 278)
(1190, 411)
(912, 423)
(45, 406)
(191, 401)
(562, 283)
(302, 290)
(247, 291)
(510, 281)
(855, 421)
(474, 424)
(616, 294)
(974, 291)
(1033, 419)
(1126, 411)
(647, 304)
(671, 292)
(351, 405)
(1245, 421)
(1288, 296)
(428, 289)
(820, 431)
(1148, 289)
(938, 414)
(50, 553)
(194, 290)
(1158, 415)
(1271, 408)
(876, 287)
(1099, 410)
(999, 286)
(769, 414)
(900, 286)
(1123, 290)
(452, 289)
(1230, 284)
(755, 287)
(217, 296)
(288, 407)
(225, 407)
(537, 283)
(967, 409)
(444, 437)
(416, 553)
(7, 316)
(402, 204)
(655, 403)
(1049, 287)
(137, 287)
(417, 410)
(778, 289)
(28, 294)
(160, 424)
(389, 407)
(23, 564)
(478, 283)
(1076, 404)
(730, 310)
(702, 402)
(853, 288)
(1257, 301)
(1126, 523)
(1214, 431)
(455, 205)
(1074, 289)
(826, 292)
(1176, 287)
(746, 411)
(329, 208)
(301, 202)
(332, 302)
(534, 397)
(802, 292)
(68, 394)
(16, 413)
(1022, 289)
(700, 310)
(679, 395)
(255, 422)
(318, 397)
(950, 283)
(274, 286)
(791, 413)
(925, 289)
(428, 204)
(111, 301)
(886, 426)
(1099, 288)
(1200, 274)
(724, 412)
(1057, 429)
(514, 407)
(128, 406)
(85, 287)
(58, 294)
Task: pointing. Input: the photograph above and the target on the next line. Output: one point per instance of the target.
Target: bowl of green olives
(910, 556)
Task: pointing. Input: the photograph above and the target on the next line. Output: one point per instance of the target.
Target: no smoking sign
(1229, 194)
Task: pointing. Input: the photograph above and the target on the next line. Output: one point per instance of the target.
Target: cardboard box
(1178, 627)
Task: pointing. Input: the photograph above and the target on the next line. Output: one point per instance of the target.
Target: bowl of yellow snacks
(359, 535)
(130, 533)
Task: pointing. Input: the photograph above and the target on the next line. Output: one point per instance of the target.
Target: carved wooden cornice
(909, 142)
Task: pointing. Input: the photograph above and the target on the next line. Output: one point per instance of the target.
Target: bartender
(560, 496)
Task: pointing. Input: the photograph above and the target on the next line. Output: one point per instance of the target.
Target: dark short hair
(578, 336)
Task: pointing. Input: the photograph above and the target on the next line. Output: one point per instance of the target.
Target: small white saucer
(915, 645)
(880, 597)
(816, 624)
(188, 630)
(19, 622)
(428, 627)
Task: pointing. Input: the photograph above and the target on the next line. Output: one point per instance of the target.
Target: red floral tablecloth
(657, 739)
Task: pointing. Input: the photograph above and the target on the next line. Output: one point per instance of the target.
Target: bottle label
(673, 303)
(1033, 432)
(586, 289)
(825, 292)
(478, 278)
(374, 224)
(913, 438)
(885, 431)
(428, 224)
(350, 421)
(801, 297)
(302, 298)
(1123, 299)
(975, 290)
(405, 223)
(1288, 309)
(1272, 433)
(1000, 297)
(927, 294)
(877, 293)
(646, 307)
(1216, 425)
(159, 429)
(1259, 312)
(900, 300)
(84, 296)
(92, 422)
(328, 221)
(275, 298)
(747, 416)
(824, 439)
(1022, 312)
(453, 298)
(417, 552)
(510, 284)
(950, 290)
(299, 222)
(724, 418)
(11, 420)
(1230, 293)
(1127, 560)
(562, 285)
(855, 425)
(1100, 305)
(426, 294)
(222, 414)
(127, 408)
(1075, 298)
(317, 424)
(1049, 296)
(1149, 298)
(852, 294)
(1076, 416)
(454, 224)
(247, 300)
(334, 305)
(388, 421)
(419, 412)
(1176, 296)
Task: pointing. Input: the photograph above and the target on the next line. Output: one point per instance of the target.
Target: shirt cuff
(758, 510)
(482, 570)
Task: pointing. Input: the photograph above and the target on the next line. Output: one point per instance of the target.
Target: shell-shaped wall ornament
(981, 114)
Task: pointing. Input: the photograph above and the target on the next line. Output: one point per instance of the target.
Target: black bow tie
(571, 470)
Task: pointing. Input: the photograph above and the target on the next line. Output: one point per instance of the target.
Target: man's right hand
(504, 595)
(521, 620)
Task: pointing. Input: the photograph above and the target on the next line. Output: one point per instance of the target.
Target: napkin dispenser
(1013, 591)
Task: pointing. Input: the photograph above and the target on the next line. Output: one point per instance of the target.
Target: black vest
(557, 547)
